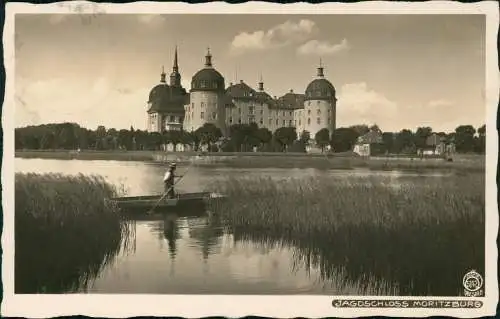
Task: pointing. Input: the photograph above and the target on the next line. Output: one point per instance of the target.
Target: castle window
(290, 123)
(277, 122)
(318, 111)
(284, 123)
(239, 121)
(261, 112)
(270, 122)
(251, 119)
(291, 113)
(214, 115)
(308, 112)
(230, 119)
(308, 121)
(250, 110)
(261, 121)
(202, 115)
(309, 103)
(202, 104)
(295, 122)
(239, 110)
(318, 120)
(284, 114)
(172, 119)
(300, 123)
(329, 121)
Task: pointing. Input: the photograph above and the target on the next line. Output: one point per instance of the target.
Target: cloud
(98, 103)
(440, 103)
(280, 35)
(357, 104)
(323, 48)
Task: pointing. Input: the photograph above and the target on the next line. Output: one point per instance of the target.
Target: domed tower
(320, 105)
(166, 102)
(158, 97)
(207, 98)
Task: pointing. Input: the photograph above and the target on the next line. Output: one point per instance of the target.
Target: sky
(396, 71)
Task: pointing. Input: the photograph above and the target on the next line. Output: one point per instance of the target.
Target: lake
(194, 255)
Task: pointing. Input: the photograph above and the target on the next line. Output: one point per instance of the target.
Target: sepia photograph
(325, 159)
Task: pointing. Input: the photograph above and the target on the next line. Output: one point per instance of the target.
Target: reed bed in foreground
(422, 236)
(65, 231)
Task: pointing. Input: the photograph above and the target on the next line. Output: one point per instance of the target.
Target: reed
(65, 231)
(421, 236)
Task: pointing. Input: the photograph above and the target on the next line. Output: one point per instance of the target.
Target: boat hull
(187, 202)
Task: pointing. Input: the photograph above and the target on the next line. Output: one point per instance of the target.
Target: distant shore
(269, 160)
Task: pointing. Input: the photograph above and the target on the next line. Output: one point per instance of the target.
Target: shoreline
(461, 162)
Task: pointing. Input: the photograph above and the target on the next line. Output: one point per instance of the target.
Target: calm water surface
(189, 255)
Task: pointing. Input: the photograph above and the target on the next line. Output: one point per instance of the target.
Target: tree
(322, 138)
(404, 142)
(208, 134)
(481, 140)
(421, 136)
(375, 128)
(305, 137)
(264, 136)
(360, 129)
(344, 138)
(388, 140)
(464, 138)
(155, 141)
(285, 136)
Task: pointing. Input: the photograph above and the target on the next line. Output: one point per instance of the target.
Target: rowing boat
(182, 201)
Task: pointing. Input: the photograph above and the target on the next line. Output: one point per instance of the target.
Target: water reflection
(171, 233)
(194, 254)
(139, 178)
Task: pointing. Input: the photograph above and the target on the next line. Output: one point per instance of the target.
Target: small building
(368, 144)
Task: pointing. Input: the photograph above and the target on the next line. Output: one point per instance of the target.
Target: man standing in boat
(168, 180)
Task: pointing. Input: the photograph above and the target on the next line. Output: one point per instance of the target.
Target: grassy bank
(421, 237)
(470, 163)
(65, 231)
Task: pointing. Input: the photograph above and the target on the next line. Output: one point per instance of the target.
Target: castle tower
(319, 105)
(207, 98)
(175, 76)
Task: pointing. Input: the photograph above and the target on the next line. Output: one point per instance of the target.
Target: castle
(171, 107)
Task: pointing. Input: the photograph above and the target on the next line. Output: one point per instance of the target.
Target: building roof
(290, 101)
(241, 91)
(208, 78)
(320, 88)
(164, 99)
(372, 137)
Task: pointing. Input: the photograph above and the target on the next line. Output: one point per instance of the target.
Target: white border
(43, 306)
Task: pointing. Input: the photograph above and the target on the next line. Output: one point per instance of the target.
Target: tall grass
(421, 236)
(65, 231)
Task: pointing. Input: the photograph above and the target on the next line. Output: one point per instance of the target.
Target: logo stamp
(473, 284)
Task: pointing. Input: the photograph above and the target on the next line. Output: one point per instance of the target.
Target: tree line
(242, 138)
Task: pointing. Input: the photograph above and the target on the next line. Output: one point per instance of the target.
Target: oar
(175, 183)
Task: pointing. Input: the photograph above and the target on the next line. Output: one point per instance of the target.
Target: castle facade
(171, 107)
